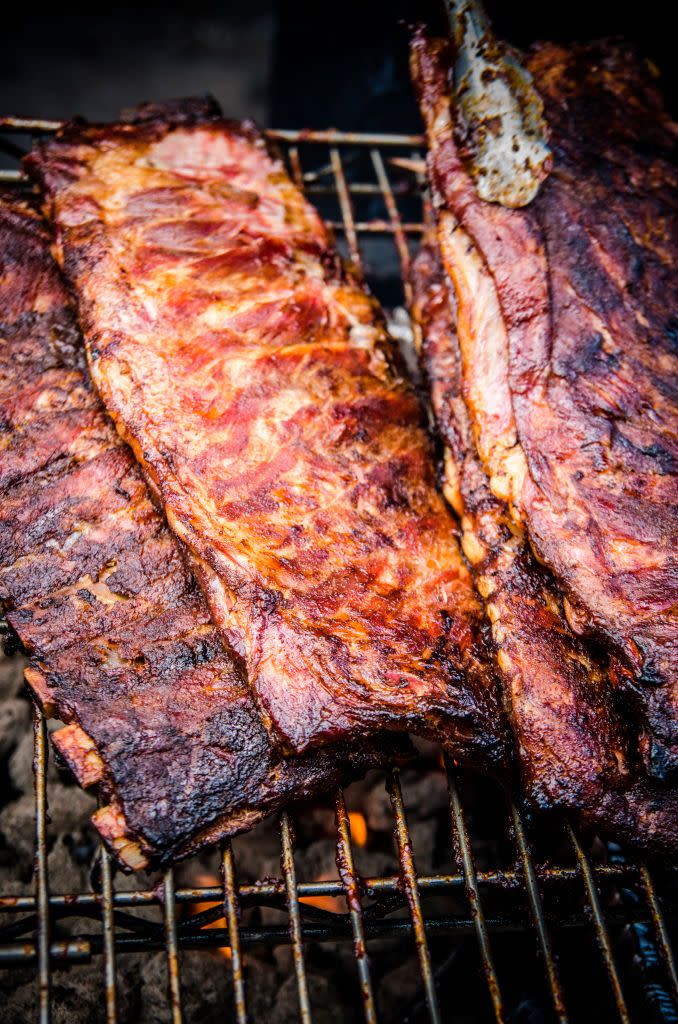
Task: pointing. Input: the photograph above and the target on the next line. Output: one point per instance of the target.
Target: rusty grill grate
(550, 886)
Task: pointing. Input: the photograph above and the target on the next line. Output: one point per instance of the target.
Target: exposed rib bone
(42, 691)
(111, 825)
(80, 754)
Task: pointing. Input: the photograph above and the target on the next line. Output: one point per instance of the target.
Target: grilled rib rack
(552, 926)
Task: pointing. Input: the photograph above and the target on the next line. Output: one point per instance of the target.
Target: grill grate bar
(376, 227)
(396, 224)
(538, 915)
(295, 163)
(602, 933)
(660, 928)
(109, 937)
(349, 879)
(348, 220)
(33, 125)
(409, 881)
(40, 755)
(330, 136)
(231, 910)
(463, 844)
(25, 953)
(296, 933)
(506, 880)
(354, 188)
(320, 926)
(172, 948)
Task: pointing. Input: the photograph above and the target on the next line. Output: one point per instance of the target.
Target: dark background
(288, 63)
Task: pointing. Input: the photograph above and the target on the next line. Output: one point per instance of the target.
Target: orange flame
(334, 904)
(337, 904)
(358, 827)
(203, 882)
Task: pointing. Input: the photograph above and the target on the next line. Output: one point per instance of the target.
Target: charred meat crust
(289, 452)
(579, 428)
(121, 642)
(575, 748)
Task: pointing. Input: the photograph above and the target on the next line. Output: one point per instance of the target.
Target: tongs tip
(500, 112)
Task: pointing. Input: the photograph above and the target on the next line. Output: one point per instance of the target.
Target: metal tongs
(500, 114)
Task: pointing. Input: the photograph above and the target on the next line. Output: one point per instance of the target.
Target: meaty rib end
(575, 750)
(566, 329)
(93, 582)
(289, 453)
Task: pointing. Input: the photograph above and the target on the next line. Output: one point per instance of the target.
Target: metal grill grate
(554, 885)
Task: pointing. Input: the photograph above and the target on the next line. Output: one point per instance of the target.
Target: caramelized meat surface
(574, 746)
(567, 334)
(252, 376)
(121, 642)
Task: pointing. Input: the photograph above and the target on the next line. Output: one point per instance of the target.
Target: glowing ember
(337, 904)
(358, 827)
(333, 904)
(203, 882)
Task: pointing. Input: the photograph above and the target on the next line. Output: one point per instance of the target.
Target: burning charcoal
(423, 836)
(18, 992)
(257, 853)
(262, 981)
(284, 959)
(71, 835)
(17, 827)
(21, 762)
(378, 809)
(13, 723)
(373, 863)
(398, 989)
(425, 795)
(315, 823)
(355, 793)
(11, 675)
(272, 917)
(137, 881)
(326, 1003)
(81, 994)
(317, 861)
(205, 985)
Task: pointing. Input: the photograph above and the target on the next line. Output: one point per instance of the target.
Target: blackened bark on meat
(92, 580)
(575, 749)
(570, 368)
(253, 378)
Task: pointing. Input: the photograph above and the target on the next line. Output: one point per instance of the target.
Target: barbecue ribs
(252, 376)
(122, 646)
(567, 328)
(574, 748)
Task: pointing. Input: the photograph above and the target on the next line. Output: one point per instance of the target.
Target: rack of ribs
(567, 331)
(121, 643)
(574, 749)
(250, 372)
